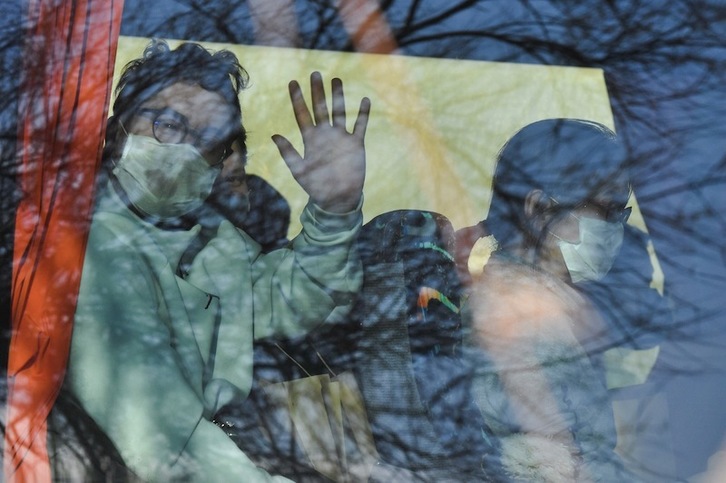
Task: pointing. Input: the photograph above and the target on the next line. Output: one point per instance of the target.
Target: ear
(536, 203)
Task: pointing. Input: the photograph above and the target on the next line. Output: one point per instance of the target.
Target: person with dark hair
(558, 211)
(250, 202)
(163, 340)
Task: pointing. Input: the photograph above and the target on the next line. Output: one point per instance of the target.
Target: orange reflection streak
(69, 57)
(367, 26)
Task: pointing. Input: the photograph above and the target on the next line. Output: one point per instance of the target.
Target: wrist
(341, 207)
(324, 221)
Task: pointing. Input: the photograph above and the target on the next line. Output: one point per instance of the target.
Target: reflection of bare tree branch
(10, 42)
(434, 20)
(664, 65)
(275, 22)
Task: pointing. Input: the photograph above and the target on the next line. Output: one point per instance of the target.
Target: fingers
(361, 122)
(289, 153)
(338, 103)
(320, 106)
(302, 115)
(320, 114)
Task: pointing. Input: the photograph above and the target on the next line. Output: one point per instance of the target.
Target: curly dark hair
(160, 67)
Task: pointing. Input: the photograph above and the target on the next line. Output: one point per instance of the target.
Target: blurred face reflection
(233, 175)
(230, 194)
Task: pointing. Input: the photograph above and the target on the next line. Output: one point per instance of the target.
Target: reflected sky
(665, 73)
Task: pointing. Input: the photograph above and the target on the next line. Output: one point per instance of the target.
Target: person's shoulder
(516, 299)
(506, 276)
(112, 219)
(113, 230)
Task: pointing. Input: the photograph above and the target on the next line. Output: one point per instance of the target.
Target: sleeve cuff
(325, 222)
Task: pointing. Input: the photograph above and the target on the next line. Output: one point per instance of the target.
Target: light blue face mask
(164, 180)
(593, 256)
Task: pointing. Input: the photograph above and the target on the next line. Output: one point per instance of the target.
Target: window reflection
(652, 74)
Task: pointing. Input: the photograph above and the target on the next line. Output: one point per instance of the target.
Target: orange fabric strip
(69, 54)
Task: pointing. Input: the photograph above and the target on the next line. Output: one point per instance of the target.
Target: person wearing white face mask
(558, 209)
(592, 256)
(163, 180)
(161, 340)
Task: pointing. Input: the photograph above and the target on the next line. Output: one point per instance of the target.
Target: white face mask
(164, 180)
(593, 256)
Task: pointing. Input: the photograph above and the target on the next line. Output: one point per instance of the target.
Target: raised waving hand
(332, 168)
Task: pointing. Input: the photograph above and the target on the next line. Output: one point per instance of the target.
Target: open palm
(332, 169)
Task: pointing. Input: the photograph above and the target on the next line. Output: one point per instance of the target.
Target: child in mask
(558, 209)
(160, 346)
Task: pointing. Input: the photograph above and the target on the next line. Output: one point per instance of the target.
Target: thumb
(288, 152)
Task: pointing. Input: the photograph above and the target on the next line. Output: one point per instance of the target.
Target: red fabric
(69, 54)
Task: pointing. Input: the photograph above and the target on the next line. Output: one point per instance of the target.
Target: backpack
(403, 342)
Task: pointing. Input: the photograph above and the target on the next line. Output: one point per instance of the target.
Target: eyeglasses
(610, 212)
(170, 127)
